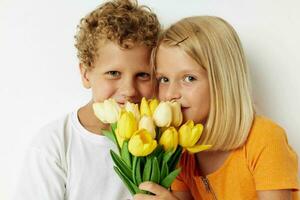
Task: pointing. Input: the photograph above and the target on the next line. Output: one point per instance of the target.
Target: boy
(69, 159)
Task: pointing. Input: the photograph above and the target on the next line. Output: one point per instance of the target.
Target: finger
(152, 187)
(144, 197)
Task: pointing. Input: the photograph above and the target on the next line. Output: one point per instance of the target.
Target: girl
(201, 64)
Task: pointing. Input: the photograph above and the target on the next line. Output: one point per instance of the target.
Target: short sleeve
(273, 162)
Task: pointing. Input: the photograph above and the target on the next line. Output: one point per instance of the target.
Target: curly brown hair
(120, 21)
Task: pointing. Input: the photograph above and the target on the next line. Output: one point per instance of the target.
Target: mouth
(183, 108)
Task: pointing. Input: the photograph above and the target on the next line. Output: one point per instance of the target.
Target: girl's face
(182, 79)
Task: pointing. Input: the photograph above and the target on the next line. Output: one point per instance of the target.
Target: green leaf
(131, 186)
(155, 174)
(110, 135)
(173, 161)
(126, 157)
(138, 175)
(121, 164)
(156, 151)
(113, 126)
(168, 155)
(134, 165)
(147, 169)
(164, 170)
(168, 180)
(125, 180)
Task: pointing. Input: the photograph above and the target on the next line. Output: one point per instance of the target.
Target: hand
(160, 192)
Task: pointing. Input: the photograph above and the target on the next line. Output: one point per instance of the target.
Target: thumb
(152, 187)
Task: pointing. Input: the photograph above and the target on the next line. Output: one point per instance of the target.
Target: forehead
(174, 59)
(111, 54)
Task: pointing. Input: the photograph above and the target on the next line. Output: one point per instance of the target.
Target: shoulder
(52, 139)
(264, 131)
(267, 144)
(269, 154)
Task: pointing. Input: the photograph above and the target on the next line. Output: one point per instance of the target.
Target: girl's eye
(113, 74)
(162, 80)
(189, 79)
(143, 76)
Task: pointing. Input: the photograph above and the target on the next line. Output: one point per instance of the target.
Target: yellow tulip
(147, 123)
(189, 136)
(153, 105)
(127, 125)
(134, 108)
(176, 113)
(107, 111)
(163, 115)
(145, 109)
(141, 144)
(169, 139)
(120, 140)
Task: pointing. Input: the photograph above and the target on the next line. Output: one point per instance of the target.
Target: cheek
(103, 90)
(161, 94)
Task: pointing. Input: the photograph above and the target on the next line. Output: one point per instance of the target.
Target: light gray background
(39, 77)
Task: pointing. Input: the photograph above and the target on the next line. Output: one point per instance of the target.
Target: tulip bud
(147, 123)
(176, 113)
(141, 143)
(153, 105)
(107, 111)
(120, 140)
(127, 125)
(163, 115)
(134, 108)
(189, 136)
(145, 109)
(169, 139)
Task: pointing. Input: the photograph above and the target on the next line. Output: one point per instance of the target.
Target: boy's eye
(113, 74)
(189, 79)
(162, 80)
(143, 76)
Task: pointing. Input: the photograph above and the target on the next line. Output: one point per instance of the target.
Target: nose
(128, 90)
(173, 92)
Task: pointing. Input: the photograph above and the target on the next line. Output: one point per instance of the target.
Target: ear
(84, 72)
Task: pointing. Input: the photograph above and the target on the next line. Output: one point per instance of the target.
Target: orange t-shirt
(264, 162)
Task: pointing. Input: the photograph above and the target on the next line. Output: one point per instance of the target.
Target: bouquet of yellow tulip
(150, 140)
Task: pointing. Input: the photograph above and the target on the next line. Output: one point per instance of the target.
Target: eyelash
(193, 78)
(113, 73)
(159, 80)
(116, 74)
(143, 75)
(164, 79)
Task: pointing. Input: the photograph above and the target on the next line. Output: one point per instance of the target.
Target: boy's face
(121, 74)
(182, 79)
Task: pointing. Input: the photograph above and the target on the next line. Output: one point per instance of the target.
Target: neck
(89, 121)
(210, 161)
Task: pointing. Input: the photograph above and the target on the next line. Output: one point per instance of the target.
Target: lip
(184, 108)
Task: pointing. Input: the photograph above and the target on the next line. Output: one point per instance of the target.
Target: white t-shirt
(67, 162)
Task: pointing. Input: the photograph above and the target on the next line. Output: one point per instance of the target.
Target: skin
(184, 81)
(121, 74)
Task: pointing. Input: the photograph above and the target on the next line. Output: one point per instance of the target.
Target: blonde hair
(215, 46)
(121, 21)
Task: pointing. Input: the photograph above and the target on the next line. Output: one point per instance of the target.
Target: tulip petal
(153, 105)
(198, 148)
(185, 135)
(196, 134)
(144, 108)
